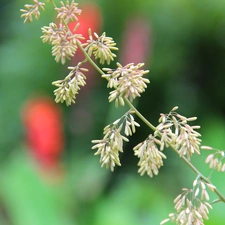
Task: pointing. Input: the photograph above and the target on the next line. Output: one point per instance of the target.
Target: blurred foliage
(186, 69)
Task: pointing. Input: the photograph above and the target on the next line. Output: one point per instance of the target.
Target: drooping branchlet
(150, 157)
(69, 87)
(112, 142)
(110, 146)
(128, 82)
(174, 130)
(68, 12)
(101, 47)
(64, 43)
(215, 160)
(31, 11)
(192, 205)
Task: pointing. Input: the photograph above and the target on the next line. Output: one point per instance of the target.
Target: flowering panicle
(69, 87)
(192, 205)
(112, 143)
(110, 146)
(68, 12)
(127, 80)
(63, 41)
(215, 160)
(32, 10)
(150, 157)
(101, 47)
(174, 130)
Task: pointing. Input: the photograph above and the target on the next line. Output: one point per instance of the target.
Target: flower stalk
(153, 128)
(128, 83)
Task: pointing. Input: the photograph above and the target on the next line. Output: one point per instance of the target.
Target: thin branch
(222, 198)
(89, 59)
(53, 3)
(188, 163)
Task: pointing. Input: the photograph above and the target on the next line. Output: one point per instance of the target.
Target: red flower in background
(43, 124)
(137, 41)
(89, 18)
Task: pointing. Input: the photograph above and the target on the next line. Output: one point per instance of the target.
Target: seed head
(32, 11)
(127, 80)
(69, 11)
(69, 87)
(101, 47)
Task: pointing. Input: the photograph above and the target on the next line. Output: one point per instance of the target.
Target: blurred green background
(186, 57)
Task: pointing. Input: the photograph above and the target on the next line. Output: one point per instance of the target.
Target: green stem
(53, 3)
(89, 59)
(139, 114)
